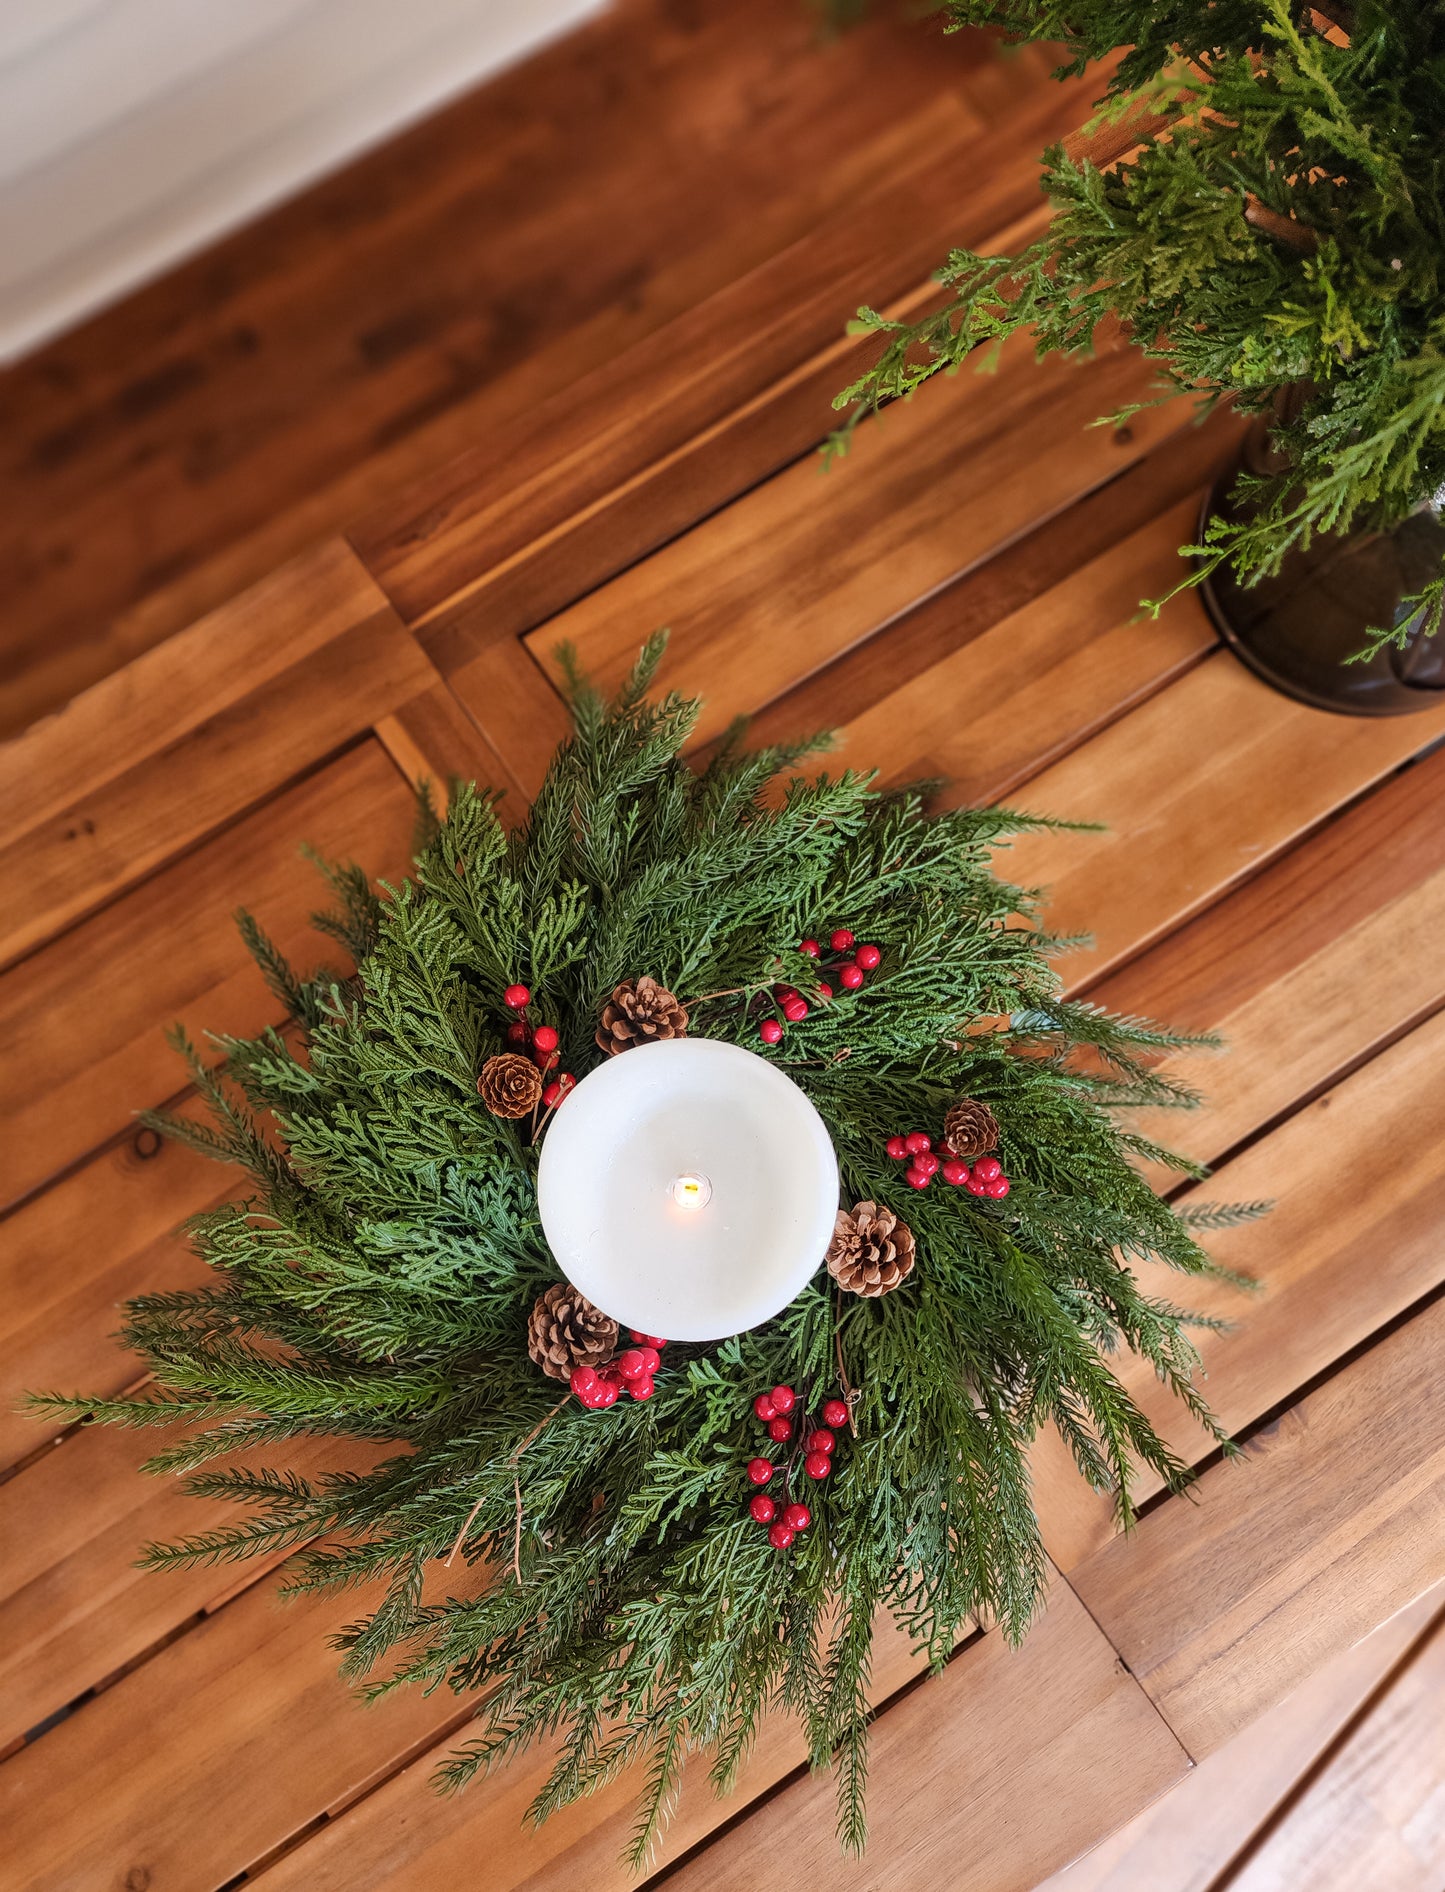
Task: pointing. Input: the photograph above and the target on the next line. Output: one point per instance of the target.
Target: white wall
(135, 131)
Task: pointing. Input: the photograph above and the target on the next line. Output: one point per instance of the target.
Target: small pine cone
(970, 1129)
(567, 1331)
(510, 1085)
(871, 1251)
(640, 1012)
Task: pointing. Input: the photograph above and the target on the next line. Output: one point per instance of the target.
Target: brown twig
(1287, 230)
(516, 1455)
(850, 1392)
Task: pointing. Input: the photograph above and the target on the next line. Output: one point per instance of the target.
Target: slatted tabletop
(958, 599)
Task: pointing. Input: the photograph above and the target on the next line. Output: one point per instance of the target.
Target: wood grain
(1335, 1520)
(82, 1022)
(433, 740)
(222, 714)
(518, 709)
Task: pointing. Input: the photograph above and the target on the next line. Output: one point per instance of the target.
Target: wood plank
(1374, 1815)
(1335, 1521)
(1305, 968)
(799, 569)
(405, 1838)
(74, 1608)
(249, 1735)
(71, 1255)
(1198, 787)
(985, 1779)
(193, 733)
(519, 710)
(726, 394)
(81, 1022)
(1186, 1841)
(432, 739)
(1335, 1260)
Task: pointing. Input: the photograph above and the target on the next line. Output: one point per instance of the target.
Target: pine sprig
(377, 1284)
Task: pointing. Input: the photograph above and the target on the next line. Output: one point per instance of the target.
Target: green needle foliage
(376, 1283)
(1281, 225)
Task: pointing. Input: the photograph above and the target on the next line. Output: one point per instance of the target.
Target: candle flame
(691, 1192)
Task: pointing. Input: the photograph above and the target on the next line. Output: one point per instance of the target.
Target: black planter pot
(1296, 630)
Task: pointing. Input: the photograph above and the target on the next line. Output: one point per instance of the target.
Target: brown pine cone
(871, 1250)
(566, 1331)
(510, 1085)
(640, 1012)
(970, 1129)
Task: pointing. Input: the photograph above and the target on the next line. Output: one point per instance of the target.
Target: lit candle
(688, 1188)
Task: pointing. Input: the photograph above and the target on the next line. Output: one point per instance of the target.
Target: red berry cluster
(815, 1443)
(631, 1372)
(540, 1040)
(986, 1178)
(848, 964)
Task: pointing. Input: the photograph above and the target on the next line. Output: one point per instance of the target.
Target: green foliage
(1280, 225)
(377, 1285)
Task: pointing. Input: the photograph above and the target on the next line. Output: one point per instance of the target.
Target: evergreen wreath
(379, 1281)
(1279, 226)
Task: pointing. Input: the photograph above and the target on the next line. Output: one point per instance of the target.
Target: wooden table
(958, 599)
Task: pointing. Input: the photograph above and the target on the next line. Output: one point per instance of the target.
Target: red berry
(780, 1536)
(918, 1178)
(821, 1441)
(955, 1172)
(517, 1033)
(762, 1508)
(817, 1464)
(582, 1381)
(770, 1031)
(764, 1408)
(795, 1010)
(517, 996)
(868, 957)
(824, 991)
(634, 1336)
(810, 947)
(835, 1413)
(552, 1094)
(544, 1038)
(927, 1162)
(780, 1429)
(897, 1148)
(975, 1187)
(604, 1393)
(841, 940)
(917, 1143)
(653, 1340)
(850, 977)
(797, 1517)
(785, 992)
(760, 1470)
(998, 1187)
(651, 1359)
(988, 1169)
(544, 1060)
(630, 1365)
(641, 1387)
(784, 1399)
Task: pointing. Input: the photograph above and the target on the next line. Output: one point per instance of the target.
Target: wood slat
(210, 1755)
(81, 1023)
(798, 570)
(1335, 1520)
(984, 1779)
(1187, 1840)
(518, 709)
(1335, 1260)
(192, 733)
(726, 394)
(74, 1607)
(432, 739)
(74, 1253)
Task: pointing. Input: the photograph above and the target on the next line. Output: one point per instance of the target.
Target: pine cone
(871, 1251)
(640, 1012)
(970, 1129)
(567, 1331)
(510, 1085)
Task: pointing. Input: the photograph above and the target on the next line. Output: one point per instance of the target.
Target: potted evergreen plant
(1275, 238)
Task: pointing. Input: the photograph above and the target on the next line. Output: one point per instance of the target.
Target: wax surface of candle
(688, 1188)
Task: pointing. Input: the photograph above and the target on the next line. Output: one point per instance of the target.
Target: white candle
(688, 1189)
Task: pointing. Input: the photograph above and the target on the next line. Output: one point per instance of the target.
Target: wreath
(669, 1540)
